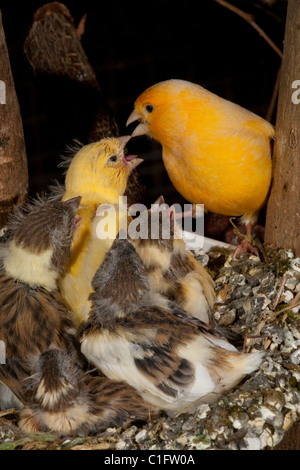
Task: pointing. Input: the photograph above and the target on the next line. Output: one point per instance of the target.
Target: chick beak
(74, 202)
(77, 221)
(142, 128)
(131, 161)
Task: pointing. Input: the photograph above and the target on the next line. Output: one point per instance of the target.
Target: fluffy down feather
(170, 358)
(99, 173)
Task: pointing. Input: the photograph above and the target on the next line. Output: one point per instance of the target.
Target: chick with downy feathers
(33, 315)
(171, 359)
(99, 173)
(172, 270)
(70, 402)
(215, 152)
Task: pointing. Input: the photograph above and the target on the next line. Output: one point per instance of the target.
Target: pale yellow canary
(98, 173)
(216, 153)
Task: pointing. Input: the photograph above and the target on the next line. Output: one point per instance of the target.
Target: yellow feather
(215, 152)
(97, 181)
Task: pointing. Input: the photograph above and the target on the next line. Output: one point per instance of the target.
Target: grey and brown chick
(170, 358)
(68, 401)
(33, 315)
(172, 270)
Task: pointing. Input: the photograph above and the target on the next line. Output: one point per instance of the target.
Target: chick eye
(113, 159)
(149, 108)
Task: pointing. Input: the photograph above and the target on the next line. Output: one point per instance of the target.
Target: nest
(257, 304)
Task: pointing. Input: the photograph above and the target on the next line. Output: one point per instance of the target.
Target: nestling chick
(69, 402)
(33, 315)
(216, 153)
(171, 359)
(99, 173)
(172, 270)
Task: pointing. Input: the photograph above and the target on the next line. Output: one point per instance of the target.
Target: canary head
(100, 167)
(55, 379)
(41, 237)
(155, 227)
(122, 276)
(154, 107)
(158, 236)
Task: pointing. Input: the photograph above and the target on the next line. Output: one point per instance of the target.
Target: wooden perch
(283, 210)
(13, 160)
(53, 48)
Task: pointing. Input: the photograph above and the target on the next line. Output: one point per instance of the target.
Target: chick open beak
(142, 128)
(77, 221)
(131, 161)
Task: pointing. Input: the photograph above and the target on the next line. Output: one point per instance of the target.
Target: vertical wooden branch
(13, 161)
(283, 210)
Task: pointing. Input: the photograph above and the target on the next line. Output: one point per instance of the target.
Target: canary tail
(235, 366)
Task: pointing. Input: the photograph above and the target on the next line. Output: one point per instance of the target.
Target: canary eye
(149, 108)
(113, 159)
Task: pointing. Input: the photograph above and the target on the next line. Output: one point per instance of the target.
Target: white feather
(115, 356)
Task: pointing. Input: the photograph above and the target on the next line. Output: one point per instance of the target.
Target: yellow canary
(98, 173)
(216, 153)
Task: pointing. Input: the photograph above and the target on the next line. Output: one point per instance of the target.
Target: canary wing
(143, 351)
(12, 375)
(161, 366)
(30, 321)
(134, 356)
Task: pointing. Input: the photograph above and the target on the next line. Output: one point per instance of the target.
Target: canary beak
(77, 221)
(74, 202)
(142, 128)
(123, 140)
(131, 161)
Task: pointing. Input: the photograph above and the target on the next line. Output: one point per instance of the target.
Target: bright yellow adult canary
(98, 173)
(216, 153)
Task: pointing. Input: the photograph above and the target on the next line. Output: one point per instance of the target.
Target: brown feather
(171, 358)
(30, 321)
(70, 402)
(32, 317)
(171, 267)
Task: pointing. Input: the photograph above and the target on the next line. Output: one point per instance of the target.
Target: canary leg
(246, 244)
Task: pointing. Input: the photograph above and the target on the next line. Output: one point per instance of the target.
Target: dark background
(132, 45)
